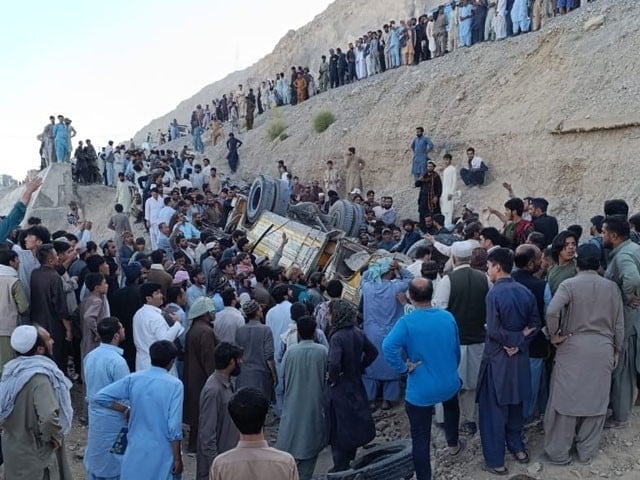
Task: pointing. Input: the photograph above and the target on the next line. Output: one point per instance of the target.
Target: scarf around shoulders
(17, 372)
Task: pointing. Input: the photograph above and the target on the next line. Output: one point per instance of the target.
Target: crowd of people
(185, 329)
(492, 329)
(441, 30)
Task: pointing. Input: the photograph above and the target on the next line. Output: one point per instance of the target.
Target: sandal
(523, 460)
(455, 451)
(496, 471)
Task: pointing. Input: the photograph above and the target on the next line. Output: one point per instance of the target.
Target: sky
(112, 66)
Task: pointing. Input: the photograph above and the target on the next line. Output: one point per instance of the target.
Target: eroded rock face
(502, 98)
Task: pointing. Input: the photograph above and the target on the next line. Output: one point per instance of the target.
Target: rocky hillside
(340, 23)
(553, 112)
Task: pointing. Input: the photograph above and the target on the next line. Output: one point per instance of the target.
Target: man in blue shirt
(421, 146)
(504, 381)
(380, 286)
(103, 366)
(428, 339)
(155, 424)
(17, 213)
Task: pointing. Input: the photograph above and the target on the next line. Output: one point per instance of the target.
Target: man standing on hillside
(152, 208)
(421, 146)
(119, 223)
(543, 223)
(323, 74)
(430, 186)
(103, 366)
(447, 200)
(232, 156)
(155, 425)
(302, 426)
(61, 139)
(250, 101)
(49, 304)
(333, 68)
(216, 431)
(150, 326)
(381, 284)
(35, 409)
(504, 382)
(48, 142)
(516, 229)
(586, 321)
(463, 292)
(624, 270)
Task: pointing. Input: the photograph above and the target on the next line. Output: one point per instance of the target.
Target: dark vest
(469, 288)
(540, 346)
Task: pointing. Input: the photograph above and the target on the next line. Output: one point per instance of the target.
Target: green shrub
(322, 120)
(276, 128)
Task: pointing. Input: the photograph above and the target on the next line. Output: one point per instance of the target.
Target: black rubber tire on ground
(282, 197)
(262, 197)
(389, 461)
(342, 213)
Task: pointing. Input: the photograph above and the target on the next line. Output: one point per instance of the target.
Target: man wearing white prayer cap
(462, 292)
(35, 409)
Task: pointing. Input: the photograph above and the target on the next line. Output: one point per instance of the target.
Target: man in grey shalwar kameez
(35, 410)
(624, 270)
(256, 339)
(586, 321)
(48, 142)
(303, 425)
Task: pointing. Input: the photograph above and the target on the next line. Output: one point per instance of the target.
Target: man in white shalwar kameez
(447, 201)
(500, 20)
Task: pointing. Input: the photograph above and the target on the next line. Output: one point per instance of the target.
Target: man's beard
(236, 371)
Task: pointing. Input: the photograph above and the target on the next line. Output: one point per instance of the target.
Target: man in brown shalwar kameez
(586, 323)
(354, 165)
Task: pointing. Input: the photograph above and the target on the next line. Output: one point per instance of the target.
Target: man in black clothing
(125, 302)
(109, 252)
(478, 21)
(351, 63)
(421, 37)
(342, 66)
(528, 259)
(542, 222)
(333, 68)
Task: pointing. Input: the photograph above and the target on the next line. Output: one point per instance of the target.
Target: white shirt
(185, 183)
(152, 209)
(278, 320)
(387, 216)
(226, 323)
(416, 269)
(443, 292)
(149, 326)
(446, 249)
(476, 162)
(206, 171)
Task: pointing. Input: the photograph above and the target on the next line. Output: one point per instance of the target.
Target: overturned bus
(317, 241)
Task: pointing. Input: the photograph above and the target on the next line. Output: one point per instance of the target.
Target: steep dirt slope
(340, 23)
(503, 98)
